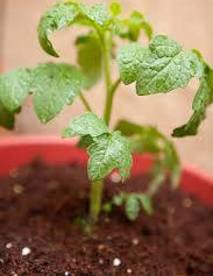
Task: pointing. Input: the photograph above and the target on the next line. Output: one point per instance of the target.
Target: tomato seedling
(158, 64)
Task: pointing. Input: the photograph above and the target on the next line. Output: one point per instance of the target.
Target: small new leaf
(137, 22)
(54, 86)
(132, 202)
(14, 88)
(115, 8)
(108, 152)
(132, 206)
(84, 125)
(203, 98)
(130, 28)
(89, 57)
(98, 14)
(119, 199)
(6, 118)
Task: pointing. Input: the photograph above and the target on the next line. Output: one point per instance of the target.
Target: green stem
(109, 101)
(107, 60)
(97, 186)
(95, 200)
(85, 102)
(106, 47)
(158, 176)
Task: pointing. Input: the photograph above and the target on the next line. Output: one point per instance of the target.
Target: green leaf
(14, 88)
(162, 67)
(119, 199)
(133, 203)
(130, 28)
(145, 139)
(132, 206)
(203, 98)
(6, 118)
(147, 28)
(130, 58)
(191, 127)
(58, 17)
(115, 8)
(166, 66)
(86, 124)
(108, 152)
(137, 22)
(146, 203)
(54, 86)
(90, 57)
(98, 14)
(66, 14)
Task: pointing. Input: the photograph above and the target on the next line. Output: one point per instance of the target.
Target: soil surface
(38, 205)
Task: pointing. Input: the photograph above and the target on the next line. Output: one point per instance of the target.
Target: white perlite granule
(135, 241)
(18, 189)
(25, 251)
(116, 262)
(101, 261)
(9, 245)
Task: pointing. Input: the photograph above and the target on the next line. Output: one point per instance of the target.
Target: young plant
(158, 64)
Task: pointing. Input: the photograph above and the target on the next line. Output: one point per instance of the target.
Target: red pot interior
(15, 152)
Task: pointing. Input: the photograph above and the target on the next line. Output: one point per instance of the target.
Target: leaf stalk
(85, 102)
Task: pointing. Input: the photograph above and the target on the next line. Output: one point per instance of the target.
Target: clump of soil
(38, 205)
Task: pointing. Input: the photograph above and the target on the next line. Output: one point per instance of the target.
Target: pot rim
(6, 141)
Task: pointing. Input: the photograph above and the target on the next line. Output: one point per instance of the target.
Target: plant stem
(107, 64)
(107, 60)
(97, 186)
(95, 200)
(109, 101)
(85, 102)
(158, 177)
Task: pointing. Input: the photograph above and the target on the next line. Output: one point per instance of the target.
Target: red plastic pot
(17, 151)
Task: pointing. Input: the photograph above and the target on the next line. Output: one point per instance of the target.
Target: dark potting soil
(38, 205)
